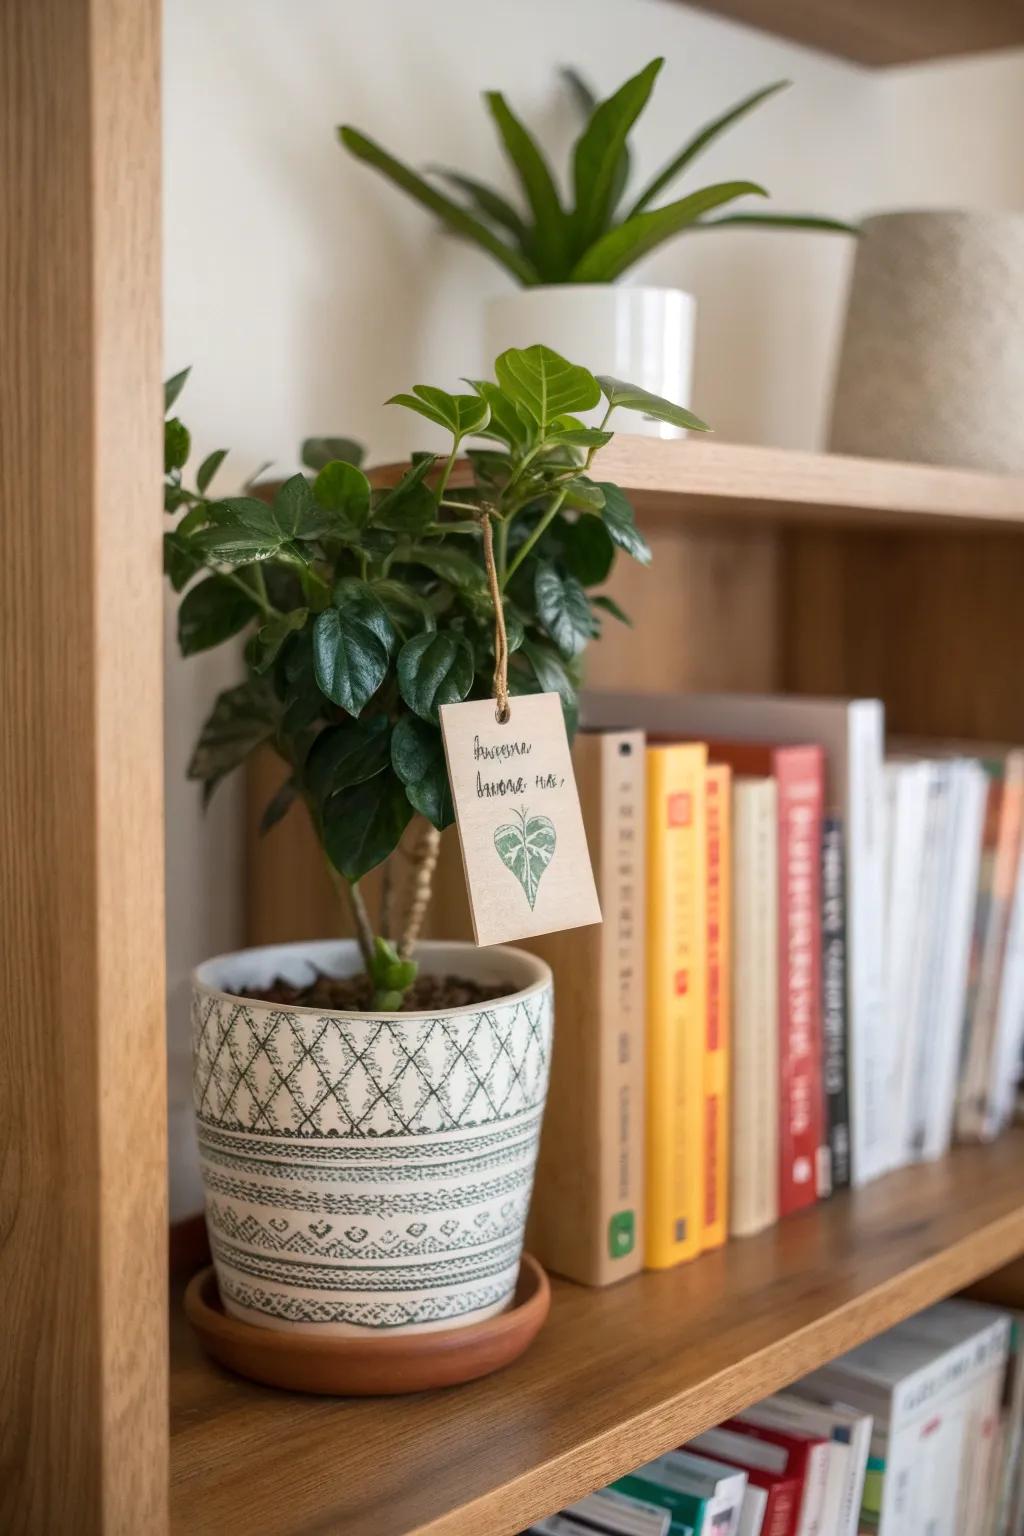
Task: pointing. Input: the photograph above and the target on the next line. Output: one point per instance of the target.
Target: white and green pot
(368, 1173)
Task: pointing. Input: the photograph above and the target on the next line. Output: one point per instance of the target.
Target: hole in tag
(503, 714)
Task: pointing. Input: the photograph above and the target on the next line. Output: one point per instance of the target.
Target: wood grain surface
(83, 1219)
(616, 1377)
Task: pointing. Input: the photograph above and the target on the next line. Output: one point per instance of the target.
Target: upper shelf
(884, 31)
(615, 1378)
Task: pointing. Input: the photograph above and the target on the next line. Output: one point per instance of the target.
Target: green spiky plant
(366, 609)
(595, 238)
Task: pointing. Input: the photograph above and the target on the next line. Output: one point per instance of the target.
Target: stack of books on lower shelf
(917, 1433)
(810, 971)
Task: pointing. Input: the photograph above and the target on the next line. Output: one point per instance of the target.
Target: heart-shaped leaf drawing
(526, 848)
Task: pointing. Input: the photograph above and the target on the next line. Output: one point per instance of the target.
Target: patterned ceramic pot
(368, 1171)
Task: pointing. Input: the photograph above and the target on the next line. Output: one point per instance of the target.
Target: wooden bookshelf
(616, 1377)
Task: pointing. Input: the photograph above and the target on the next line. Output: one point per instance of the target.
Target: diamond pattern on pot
(264, 1069)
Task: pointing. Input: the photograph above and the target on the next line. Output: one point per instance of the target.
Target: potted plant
(567, 253)
(368, 1110)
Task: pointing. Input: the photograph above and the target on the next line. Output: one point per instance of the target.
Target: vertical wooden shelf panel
(83, 1268)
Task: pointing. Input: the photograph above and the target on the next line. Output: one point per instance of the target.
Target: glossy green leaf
(455, 218)
(410, 506)
(597, 156)
(211, 612)
(617, 250)
(451, 565)
(344, 491)
(270, 636)
(700, 141)
(346, 754)
(632, 398)
(317, 452)
(579, 437)
(181, 559)
(549, 675)
(461, 415)
(417, 756)
(235, 545)
(507, 424)
(549, 236)
(544, 384)
(241, 720)
(588, 552)
(209, 467)
(583, 494)
(177, 444)
(620, 521)
(563, 609)
(364, 824)
(173, 387)
(352, 645)
(434, 668)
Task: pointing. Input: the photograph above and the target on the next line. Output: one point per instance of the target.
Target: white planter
(644, 335)
(368, 1172)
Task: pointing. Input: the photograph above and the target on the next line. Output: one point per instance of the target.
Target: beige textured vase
(932, 362)
(368, 1172)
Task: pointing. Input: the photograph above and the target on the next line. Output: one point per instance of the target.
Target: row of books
(810, 972)
(916, 1433)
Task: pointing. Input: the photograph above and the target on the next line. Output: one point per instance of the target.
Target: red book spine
(782, 1509)
(800, 773)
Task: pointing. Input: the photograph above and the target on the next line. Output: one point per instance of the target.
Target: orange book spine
(676, 1015)
(718, 1046)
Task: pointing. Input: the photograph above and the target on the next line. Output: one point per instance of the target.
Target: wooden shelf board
(616, 1377)
(699, 479)
(881, 32)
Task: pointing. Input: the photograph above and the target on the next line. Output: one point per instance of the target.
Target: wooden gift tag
(518, 813)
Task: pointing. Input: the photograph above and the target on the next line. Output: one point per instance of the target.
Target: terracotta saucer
(369, 1367)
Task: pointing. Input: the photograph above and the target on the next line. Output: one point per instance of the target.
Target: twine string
(500, 636)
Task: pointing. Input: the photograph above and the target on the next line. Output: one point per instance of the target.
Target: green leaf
(455, 218)
(401, 601)
(317, 452)
(507, 424)
(391, 976)
(544, 384)
(364, 824)
(611, 606)
(461, 415)
(272, 635)
(236, 545)
(451, 565)
(347, 754)
(486, 202)
(563, 609)
(352, 645)
(173, 387)
(411, 505)
(610, 256)
(241, 720)
(278, 806)
(343, 490)
(583, 494)
(434, 668)
(181, 560)
(597, 157)
(579, 437)
(700, 141)
(550, 676)
(417, 756)
(211, 612)
(209, 467)
(177, 444)
(586, 101)
(293, 509)
(588, 552)
(783, 221)
(549, 237)
(620, 521)
(632, 398)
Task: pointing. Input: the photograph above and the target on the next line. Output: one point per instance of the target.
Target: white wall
(304, 291)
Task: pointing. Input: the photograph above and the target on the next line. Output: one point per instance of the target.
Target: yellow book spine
(717, 1107)
(676, 1022)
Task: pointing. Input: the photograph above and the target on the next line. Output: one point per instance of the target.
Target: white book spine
(865, 822)
(907, 918)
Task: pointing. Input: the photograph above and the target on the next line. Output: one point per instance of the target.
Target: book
(765, 1466)
(707, 1493)
(1010, 1019)
(807, 1459)
(754, 1185)
(676, 973)
(851, 733)
(848, 1432)
(586, 1218)
(834, 1063)
(617, 1514)
(752, 1511)
(717, 1109)
(798, 772)
(996, 883)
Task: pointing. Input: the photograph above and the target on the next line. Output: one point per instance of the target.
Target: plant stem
(527, 545)
(446, 472)
(424, 863)
(257, 594)
(360, 916)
